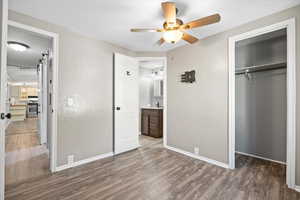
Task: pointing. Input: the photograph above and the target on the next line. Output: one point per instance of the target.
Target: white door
(3, 80)
(43, 96)
(49, 100)
(126, 103)
(40, 102)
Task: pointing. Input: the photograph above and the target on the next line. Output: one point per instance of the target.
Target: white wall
(146, 83)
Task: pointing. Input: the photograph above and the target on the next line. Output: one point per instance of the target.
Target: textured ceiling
(111, 20)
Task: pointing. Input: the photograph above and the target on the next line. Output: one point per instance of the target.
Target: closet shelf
(259, 68)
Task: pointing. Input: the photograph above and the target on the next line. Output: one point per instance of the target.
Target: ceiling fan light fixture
(17, 46)
(172, 36)
(174, 29)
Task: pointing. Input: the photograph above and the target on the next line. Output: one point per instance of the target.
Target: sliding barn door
(126, 103)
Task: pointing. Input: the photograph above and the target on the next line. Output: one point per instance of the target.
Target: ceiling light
(18, 46)
(172, 36)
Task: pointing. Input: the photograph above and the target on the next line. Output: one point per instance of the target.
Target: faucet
(157, 104)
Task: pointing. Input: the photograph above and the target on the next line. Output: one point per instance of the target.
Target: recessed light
(18, 46)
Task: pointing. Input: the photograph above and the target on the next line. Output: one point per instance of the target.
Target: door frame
(291, 93)
(4, 18)
(164, 59)
(55, 45)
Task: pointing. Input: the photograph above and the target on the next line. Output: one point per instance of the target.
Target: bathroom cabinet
(152, 122)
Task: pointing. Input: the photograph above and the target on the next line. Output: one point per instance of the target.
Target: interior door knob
(3, 116)
(118, 108)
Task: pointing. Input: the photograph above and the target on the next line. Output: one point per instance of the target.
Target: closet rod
(259, 68)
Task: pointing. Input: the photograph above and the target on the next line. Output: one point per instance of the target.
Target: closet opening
(260, 98)
(262, 102)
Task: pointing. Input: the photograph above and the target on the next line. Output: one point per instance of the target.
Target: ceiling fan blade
(202, 22)
(189, 38)
(146, 30)
(169, 9)
(160, 41)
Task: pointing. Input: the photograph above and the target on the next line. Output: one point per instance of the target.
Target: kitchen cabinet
(14, 91)
(22, 92)
(18, 112)
(152, 122)
(28, 91)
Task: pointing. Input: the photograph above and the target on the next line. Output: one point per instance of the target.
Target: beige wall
(85, 73)
(198, 113)
(151, 54)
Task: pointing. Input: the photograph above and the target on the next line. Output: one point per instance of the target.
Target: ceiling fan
(173, 28)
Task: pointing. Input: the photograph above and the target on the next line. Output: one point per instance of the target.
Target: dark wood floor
(155, 173)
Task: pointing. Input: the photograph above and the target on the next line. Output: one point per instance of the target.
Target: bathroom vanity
(152, 121)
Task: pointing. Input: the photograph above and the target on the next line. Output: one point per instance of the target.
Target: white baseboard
(208, 160)
(85, 161)
(297, 188)
(129, 148)
(259, 157)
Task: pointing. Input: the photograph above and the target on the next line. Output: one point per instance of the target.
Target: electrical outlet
(196, 150)
(70, 102)
(70, 159)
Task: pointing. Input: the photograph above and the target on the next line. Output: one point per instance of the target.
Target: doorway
(27, 152)
(139, 102)
(30, 100)
(151, 100)
(252, 78)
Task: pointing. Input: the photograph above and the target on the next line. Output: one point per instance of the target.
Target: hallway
(25, 157)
